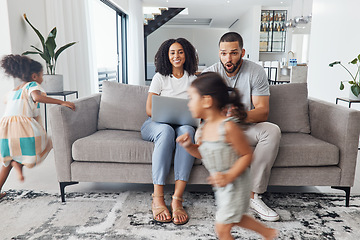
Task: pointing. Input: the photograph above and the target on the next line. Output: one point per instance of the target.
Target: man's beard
(235, 66)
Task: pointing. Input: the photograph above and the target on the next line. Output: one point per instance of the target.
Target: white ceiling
(222, 12)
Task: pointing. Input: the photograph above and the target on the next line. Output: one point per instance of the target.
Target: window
(110, 40)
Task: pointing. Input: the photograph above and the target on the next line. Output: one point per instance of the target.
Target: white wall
(70, 19)
(300, 47)
(22, 36)
(205, 40)
(248, 27)
(334, 36)
(5, 43)
(123, 5)
(136, 62)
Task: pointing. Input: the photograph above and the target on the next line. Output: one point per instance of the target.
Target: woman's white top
(170, 86)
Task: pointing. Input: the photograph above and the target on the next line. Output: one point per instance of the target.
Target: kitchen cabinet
(273, 31)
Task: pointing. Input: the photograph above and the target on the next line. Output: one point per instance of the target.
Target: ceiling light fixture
(293, 23)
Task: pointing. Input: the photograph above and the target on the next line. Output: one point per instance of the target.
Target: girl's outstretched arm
(185, 141)
(38, 97)
(236, 137)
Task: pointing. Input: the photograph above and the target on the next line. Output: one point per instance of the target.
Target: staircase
(155, 20)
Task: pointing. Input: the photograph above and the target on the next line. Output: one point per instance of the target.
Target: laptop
(172, 111)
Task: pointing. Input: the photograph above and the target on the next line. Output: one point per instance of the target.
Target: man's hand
(231, 111)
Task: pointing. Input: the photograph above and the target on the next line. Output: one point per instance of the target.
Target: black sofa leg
(347, 192)
(62, 188)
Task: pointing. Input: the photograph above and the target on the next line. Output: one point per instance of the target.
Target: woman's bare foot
(18, 167)
(270, 234)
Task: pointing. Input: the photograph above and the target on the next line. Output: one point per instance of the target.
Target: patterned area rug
(126, 215)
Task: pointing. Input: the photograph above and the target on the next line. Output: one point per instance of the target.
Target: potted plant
(355, 84)
(52, 81)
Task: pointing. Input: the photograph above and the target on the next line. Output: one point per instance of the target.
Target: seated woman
(176, 63)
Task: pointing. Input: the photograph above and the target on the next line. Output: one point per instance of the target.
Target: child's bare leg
(4, 173)
(252, 224)
(224, 231)
(18, 167)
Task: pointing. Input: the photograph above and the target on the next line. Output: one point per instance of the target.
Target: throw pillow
(289, 107)
(122, 106)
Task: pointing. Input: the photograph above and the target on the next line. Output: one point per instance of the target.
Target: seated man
(251, 80)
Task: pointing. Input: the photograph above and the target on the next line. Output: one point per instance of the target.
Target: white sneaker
(264, 212)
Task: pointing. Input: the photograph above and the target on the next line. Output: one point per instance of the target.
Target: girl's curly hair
(19, 66)
(162, 62)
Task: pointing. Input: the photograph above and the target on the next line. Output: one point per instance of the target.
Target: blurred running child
(225, 152)
(23, 140)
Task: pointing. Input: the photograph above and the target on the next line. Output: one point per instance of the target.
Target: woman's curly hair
(162, 62)
(20, 66)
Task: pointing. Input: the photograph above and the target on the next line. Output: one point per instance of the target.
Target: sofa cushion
(304, 150)
(115, 146)
(122, 106)
(289, 107)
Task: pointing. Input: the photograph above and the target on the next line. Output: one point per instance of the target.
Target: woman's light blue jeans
(164, 136)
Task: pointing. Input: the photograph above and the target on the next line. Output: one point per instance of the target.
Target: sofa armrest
(67, 126)
(340, 126)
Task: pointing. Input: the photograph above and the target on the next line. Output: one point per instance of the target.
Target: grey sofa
(101, 140)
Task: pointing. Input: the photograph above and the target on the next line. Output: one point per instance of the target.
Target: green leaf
(50, 69)
(50, 45)
(355, 90)
(358, 57)
(53, 33)
(351, 82)
(36, 48)
(50, 42)
(46, 57)
(341, 86)
(36, 31)
(354, 61)
(29, 52)
(334, 63)
(62, 49)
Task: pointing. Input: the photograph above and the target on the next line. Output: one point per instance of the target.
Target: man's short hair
(232, 37)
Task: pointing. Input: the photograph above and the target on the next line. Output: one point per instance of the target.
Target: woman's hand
(184, 140)
(70, 105)
(219, 179)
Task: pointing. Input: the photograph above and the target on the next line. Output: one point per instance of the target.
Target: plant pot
(352, 96)
(53, 83)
